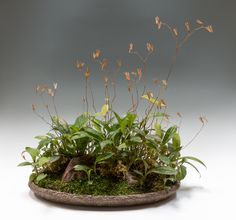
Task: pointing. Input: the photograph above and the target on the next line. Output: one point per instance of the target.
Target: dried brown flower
(139, 71)
(158, 22)
(199, 22)
(87, 73)
(55, 86)
(50, 92)
(150, 94)
(33, 107)
(79, 64)
(38, 88)
(106, 79)
(104, 64)
(96, 54)
(127, 76)
(203, 119)
(162, 103)
(150, 47)
(155, 81)
(175, 32)
(187, 26)
(179, 114)
(209, 28)
(131, 47)
(164, 83)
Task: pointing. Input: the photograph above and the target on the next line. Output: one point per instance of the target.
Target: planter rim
(103, 201)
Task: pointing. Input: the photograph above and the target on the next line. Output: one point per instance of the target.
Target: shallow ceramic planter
(105, 201)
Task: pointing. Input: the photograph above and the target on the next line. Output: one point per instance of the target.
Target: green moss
(100, 186)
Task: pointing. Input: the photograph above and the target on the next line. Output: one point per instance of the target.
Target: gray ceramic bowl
(105, 201)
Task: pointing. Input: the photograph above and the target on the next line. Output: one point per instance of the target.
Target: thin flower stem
(92, 96)
(195, 136)
(86, 95)
(41, 117)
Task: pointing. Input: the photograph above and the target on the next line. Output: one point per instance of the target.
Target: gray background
(39, 41)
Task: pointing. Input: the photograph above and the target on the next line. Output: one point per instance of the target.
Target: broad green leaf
(43, 160)
(106, 143)
(24, 164)
(123, 126)
(169, 134)
(176, 141)
(130, 118)
(54, 159)
(81, 121)
(118, 118)
(163, 170)
(182, 172)
(82, 168)
(103, 157)
(34, 152)
(41, 137)
(40, 177)
(164, 159)
(94, 133)
(135, 139)
(158, 130)
(122, 146)
(194, 159)
(154, 101)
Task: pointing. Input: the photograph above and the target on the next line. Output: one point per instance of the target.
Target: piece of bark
(69, 173)
(132, 181)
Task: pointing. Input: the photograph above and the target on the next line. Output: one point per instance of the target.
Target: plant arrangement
(107, 153)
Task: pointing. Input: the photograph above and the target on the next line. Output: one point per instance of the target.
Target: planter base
(103, 201)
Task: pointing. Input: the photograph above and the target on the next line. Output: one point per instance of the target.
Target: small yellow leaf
(158, 103)
(104, 110)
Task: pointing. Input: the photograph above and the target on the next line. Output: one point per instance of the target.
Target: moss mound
(99, 186)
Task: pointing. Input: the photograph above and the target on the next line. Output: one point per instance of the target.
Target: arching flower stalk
(180, 42)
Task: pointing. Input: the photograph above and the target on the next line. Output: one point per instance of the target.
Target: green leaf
(182, 172)
(194, 159)
(41, 137)
(136, 140)
(106, 143)
(122, 146)
(81, 121)
(130, 118)
(103, 157)
(138, 172)
(82, 168)
(118, 118)
(24, 164)
(40, 177)
(123, 126)
(94, 134)
(169, 134)
(158, 130)
(43, 160)
(163, 170)
(164, 159)
(54, 159)
(176, 141)
(192, 165)
(34, 152)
